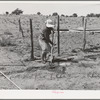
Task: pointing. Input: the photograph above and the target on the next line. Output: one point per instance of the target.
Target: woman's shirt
(45, 35)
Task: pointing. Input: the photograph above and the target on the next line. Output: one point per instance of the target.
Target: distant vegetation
(7, 13)
(38, 13)
(93, 15)
(74, 15)
(55, 14)
(18, 12)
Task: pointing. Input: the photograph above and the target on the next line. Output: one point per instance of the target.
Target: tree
(55, 14)
(75, 15)
(38, 13)
(17, 11)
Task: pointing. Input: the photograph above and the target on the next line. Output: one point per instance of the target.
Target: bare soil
(73, 70)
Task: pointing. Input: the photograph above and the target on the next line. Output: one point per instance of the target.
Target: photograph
(50, 46)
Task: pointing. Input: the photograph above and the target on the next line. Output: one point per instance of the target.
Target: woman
(44, 40)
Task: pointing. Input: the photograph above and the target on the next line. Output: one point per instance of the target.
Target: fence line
(83, 28)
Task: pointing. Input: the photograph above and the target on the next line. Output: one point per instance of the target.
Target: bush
(7, 40)
(7, 13)
(62, 15)
(38, 13)
(93, 15)
(75, 15)
(55, 14)
(90, 15)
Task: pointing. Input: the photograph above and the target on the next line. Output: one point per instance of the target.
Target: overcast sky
(47, 8)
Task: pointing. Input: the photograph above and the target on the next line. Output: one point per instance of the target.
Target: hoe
(52, 57)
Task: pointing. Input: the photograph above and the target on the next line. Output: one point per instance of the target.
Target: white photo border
(50, 94)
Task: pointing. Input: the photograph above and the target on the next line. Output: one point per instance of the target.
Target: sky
(47, 8)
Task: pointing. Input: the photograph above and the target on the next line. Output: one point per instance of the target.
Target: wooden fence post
(82, 21)
(32, 47)
(84, 41)
(58, 38)
(20, 28)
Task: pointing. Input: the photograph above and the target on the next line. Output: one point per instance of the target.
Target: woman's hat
(49, 23)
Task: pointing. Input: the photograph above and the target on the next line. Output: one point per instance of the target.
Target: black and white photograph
(50, 45)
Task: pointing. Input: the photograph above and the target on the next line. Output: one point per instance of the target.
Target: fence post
(82, 21)
(32, 47)
(84, 41)
(20, 28)
(58, 38)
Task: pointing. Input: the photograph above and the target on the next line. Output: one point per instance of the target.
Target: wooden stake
(84, 41)
(58, 38)
(32, 47)
(20, 28)
(82, 21)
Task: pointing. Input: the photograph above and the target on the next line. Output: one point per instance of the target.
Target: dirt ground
(82, 72)
(73, 70)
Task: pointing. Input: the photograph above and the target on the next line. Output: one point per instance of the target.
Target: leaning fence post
(32, 47)
(58, 38)
(84, 41)
(20, 28)
(82, 21)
